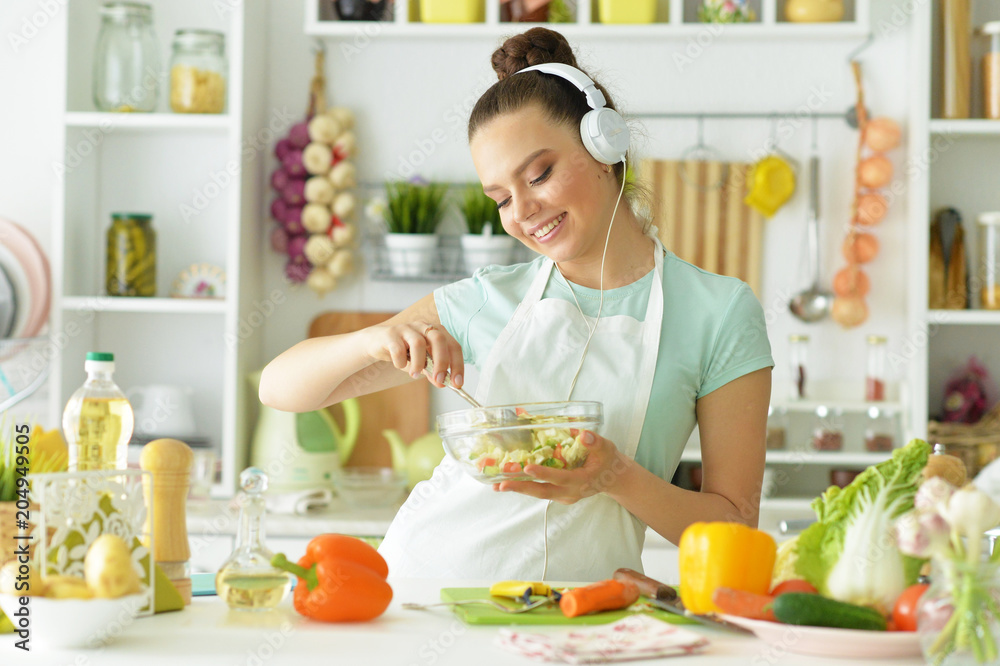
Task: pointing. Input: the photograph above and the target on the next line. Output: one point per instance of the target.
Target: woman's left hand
(599, 473)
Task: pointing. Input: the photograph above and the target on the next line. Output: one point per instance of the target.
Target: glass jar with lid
(875, 369)
(798, 346)
(880, 429)
(991, 70)
(828, 429)
(198, 72)
(989, 260)
(777, 427)
(126, 73)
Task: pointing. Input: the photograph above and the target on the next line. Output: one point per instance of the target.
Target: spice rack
(673, 19)
(190, 172)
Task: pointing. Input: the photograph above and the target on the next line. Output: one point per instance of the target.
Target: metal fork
(489, 602)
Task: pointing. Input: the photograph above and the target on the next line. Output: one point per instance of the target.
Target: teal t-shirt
(713, 332)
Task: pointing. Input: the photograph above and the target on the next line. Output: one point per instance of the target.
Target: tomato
(485, 462)
(511, 467)
(557, 454)
(904, 613)
(793, 585)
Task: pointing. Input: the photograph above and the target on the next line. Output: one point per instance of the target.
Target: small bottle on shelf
(991, 71)
(880, 429)
(777, 426)
(798, 346)
(875, 372)
(98, 419)
(247, 580)
(989, 260)
(828, 432)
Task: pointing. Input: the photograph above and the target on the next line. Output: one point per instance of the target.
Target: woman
(605, 314)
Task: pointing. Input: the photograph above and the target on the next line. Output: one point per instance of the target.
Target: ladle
(812, 304)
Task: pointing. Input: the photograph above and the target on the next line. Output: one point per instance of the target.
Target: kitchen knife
(648, 587)
(665, 597)
(707, 620)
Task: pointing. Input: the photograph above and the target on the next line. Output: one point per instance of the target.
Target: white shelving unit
(189, 172)
(950, 153)
(674, 19)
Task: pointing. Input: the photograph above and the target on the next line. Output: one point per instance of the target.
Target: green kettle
(417, 459)
(302, 451)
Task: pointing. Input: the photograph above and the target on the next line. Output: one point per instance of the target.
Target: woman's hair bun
(536, 46)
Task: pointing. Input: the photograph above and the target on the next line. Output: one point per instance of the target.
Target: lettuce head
(850, 553)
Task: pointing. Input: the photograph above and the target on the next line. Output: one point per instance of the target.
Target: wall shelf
(144, 305)
(970, 127)
(963, 317)
(808, 457)
(148, 121)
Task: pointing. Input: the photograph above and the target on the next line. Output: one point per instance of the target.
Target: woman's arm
(323, 371)
(733, 425)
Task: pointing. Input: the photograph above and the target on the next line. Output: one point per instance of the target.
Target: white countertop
(223, 517)
(208, 633)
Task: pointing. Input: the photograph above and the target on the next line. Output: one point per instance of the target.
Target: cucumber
(816, 611)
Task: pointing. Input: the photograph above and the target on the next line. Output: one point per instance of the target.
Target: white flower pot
(480, 250)
(411, 255)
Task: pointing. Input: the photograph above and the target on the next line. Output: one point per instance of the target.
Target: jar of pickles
(989, 260)
(198, 72)
(131, 267)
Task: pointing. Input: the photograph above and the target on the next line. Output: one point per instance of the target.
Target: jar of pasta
(198, 72)
(989, 260)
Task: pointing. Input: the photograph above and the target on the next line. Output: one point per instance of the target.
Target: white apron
(453, 526)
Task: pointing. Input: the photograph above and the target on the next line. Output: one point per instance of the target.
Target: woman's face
(552, 195)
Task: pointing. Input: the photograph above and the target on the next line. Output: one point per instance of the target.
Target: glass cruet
(247, 581)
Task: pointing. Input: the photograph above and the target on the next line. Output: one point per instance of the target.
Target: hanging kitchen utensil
(698, 153)
(703, 223)
(772, 178)
(813, 303)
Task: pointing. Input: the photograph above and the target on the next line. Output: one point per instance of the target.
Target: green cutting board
(486, 614)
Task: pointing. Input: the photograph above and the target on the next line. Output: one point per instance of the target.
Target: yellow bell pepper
(714, 555)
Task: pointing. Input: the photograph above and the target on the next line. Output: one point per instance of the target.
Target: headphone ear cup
(605, 135)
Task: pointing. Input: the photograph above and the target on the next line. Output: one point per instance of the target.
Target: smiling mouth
(547, 229)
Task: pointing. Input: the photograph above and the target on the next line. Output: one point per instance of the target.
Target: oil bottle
(98, 419)
(247, 581)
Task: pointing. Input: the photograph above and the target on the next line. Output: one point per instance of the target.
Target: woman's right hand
(406, 345)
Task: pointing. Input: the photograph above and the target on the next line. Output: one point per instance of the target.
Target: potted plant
(486, 243)
(412, 215)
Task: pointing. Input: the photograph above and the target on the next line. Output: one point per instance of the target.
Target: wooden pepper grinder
(169, 463)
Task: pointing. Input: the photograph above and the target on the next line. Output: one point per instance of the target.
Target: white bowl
(73, 623)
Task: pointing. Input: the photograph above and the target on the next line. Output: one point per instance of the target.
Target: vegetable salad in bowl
(496, 443)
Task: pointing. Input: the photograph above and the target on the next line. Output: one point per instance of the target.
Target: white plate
(829, 642)
(21, 289)
(34, 293)
(8, 304)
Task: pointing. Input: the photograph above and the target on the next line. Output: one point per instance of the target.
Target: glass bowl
(495, 443)
(370, 486)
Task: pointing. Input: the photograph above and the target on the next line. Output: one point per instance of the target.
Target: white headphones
(603, 130)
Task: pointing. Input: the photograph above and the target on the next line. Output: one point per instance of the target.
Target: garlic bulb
(316, 218)
(318, 190)
(317, 158)
(324, 129)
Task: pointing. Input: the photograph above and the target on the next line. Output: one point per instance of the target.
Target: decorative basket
(9, 530)
(976, 444)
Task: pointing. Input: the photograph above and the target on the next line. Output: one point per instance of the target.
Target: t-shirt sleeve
(741, 344)
(457, 303)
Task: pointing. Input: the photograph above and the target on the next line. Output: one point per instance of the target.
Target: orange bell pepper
(714, 555)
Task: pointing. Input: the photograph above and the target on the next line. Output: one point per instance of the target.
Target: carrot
(744, 604)
(602, 596)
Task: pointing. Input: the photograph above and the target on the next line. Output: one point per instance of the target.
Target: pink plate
(828, 642)
(23, 246)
